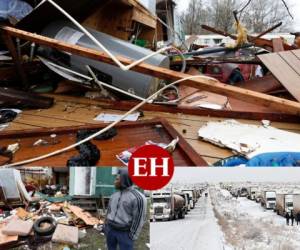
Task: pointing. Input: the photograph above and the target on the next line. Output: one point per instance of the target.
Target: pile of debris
(38, 221)
(80, 49)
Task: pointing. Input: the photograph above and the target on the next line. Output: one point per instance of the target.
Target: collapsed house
(86, 83)
(81, 66)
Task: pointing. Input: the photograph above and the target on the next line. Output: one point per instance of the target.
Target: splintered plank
(211, 85)
(277, 45)
(285, 66)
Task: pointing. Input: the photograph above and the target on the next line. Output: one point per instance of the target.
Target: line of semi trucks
(173, 204)
(279, 201)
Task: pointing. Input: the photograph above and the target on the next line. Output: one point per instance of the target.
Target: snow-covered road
(199, 230)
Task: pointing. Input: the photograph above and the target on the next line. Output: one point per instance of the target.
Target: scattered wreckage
(33, 210)
(70, 50)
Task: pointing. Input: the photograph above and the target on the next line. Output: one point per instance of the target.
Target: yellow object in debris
(241, 34)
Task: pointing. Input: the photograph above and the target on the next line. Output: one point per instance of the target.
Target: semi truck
(166, 205)
(192, 197)
(268, 199)
(284, 203)
(253, 193)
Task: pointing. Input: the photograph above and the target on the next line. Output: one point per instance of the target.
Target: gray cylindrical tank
(178, 201)
(137, 83)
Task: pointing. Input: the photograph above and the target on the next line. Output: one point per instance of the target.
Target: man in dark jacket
(126, 214)
(298, 218)
(292, 217)
(287, 217)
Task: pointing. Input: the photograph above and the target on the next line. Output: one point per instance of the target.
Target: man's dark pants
(116, 238)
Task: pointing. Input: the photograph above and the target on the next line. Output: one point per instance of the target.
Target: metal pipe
(214, 50)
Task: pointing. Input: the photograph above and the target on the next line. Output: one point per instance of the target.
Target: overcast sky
(240, 174)
(293, 4)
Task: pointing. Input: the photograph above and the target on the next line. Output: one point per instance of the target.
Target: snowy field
(248, 226)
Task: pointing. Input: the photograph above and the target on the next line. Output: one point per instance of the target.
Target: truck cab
(270, 199)
(166, 205)
(289, 204)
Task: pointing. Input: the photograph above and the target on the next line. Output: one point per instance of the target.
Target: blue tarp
(15, 8)
(278, 159)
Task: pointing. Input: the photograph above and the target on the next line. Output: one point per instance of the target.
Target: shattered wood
(214, 86)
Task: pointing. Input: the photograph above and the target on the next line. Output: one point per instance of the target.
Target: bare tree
(222, 17)
(261, 15)
(196, 14)
(257, 16)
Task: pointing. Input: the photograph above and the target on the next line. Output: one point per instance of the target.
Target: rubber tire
(236, 77)
(180, 215)
(47, 231)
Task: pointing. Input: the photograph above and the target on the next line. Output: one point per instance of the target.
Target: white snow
(247, 225)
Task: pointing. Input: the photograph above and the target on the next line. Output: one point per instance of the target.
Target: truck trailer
(284, 203)
(296, 203)
(192, 197)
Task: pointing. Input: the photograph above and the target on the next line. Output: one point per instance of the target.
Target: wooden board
(285, 66)
(76, 111)
(207, 84)
(277, 44)
(129, 135)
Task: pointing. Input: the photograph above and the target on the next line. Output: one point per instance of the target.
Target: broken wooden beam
(277, 45)
(266, 32)
(17, 60)
(204, 83)
(10, 98)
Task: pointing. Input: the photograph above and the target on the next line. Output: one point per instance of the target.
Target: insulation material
(242, 35)
(5, 239)
(18, 227)
(66, 235)
(249, 140)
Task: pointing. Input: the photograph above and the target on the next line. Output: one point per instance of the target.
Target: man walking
(126, 214)
(298, 218)
(287, 217)
(292, 217)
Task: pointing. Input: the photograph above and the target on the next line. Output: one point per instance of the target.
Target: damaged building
(86, 83)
